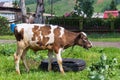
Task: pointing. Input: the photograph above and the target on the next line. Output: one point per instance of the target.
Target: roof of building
(6, 4)
(107, 14)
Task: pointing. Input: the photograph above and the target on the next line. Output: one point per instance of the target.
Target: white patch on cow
(28, 33)
(51, 35)
(61, 32)
(84, 34)
(41, 35)
(91, 43)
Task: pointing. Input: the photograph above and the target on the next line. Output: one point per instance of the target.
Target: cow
(45, 37)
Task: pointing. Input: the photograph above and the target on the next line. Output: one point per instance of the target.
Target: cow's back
(38, 36)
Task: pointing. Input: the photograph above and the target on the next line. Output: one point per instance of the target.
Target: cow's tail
(12, 27)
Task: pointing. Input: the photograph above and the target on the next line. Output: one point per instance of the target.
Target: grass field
(111, 37)
(7, 70)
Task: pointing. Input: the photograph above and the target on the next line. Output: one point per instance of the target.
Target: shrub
(103, 70)
(4, 29)
(7, 51)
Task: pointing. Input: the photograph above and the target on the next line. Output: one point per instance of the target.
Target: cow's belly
(35, 46)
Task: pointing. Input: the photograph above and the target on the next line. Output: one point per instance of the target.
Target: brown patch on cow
(45, 30)
(68, 38)
(19, 35)
(39, 32)
(57, 32)
(36, 32)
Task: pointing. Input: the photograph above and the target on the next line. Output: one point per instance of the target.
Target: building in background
(108, 14)
(7, 10)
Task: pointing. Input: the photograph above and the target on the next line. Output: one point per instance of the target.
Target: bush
(4, 28)
(117, 23)
(6, 51)
(104, 69)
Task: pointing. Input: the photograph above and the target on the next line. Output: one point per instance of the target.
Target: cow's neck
(71, 36)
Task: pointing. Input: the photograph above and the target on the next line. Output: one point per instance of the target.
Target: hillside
(60, 7)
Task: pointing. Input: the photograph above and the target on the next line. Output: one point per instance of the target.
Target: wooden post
(23, 9)
(81, 24)
(39, 12)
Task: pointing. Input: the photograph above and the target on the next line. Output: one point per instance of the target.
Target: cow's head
(83, 41)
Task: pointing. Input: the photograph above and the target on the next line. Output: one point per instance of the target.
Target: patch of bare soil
(107, 44)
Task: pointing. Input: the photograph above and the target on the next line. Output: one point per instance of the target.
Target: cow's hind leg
(17, 57)
(50, 57)
(23, 57)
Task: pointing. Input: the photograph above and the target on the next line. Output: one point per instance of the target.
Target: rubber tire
(68, 65)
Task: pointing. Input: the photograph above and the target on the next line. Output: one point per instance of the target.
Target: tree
(28, 10)
(23, 9)
(85, 6)
(113, 5)
(15, 4)
(39, 12)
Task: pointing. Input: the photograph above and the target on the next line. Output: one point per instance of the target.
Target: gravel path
(102, 44)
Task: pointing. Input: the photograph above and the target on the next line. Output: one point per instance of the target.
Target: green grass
(110, 37)
(7, 37)
(7, 70)
(105, 37)
(118, 7)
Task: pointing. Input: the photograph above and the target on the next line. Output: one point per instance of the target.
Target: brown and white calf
(41, 37)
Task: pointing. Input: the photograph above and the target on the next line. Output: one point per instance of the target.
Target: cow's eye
(84, 40)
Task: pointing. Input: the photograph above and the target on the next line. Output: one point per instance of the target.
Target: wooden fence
(76, 24)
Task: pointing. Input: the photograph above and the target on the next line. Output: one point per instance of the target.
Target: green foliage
(59, 7)
(104, 69)
(85, 6)
(15, 3)
(88, 8)
(28, 10)
(7, 51)
(4, 29)
(27, 2)
(52, 1)
(113, 5)
(7, 64)
(63, 6)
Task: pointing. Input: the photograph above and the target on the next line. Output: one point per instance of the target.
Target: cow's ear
(77, 37)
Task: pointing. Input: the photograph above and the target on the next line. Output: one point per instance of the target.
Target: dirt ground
(102, 44)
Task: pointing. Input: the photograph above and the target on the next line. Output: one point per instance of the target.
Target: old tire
(68, 65)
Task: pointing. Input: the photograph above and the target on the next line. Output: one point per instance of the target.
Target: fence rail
(87, 25)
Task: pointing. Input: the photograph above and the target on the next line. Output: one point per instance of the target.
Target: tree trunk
(39, 12)
(23, 9)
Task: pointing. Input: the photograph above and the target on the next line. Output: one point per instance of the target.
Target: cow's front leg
(59, 60)
(50, 57)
